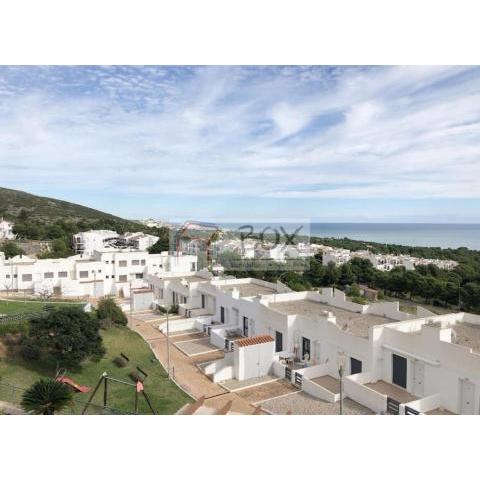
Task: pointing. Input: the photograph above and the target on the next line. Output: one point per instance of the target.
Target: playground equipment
(105, 378)
(62, 378)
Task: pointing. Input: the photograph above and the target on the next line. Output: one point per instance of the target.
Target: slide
(73, 384)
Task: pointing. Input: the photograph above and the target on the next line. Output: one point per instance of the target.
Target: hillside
(49, 210)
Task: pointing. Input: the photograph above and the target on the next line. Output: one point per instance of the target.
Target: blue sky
(386, 144)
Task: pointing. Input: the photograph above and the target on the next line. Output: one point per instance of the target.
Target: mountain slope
(48, 210)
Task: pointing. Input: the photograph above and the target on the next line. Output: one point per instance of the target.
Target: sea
(446, 235)
(412, 234)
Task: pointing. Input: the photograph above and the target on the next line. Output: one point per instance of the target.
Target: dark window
(399, 370)
(27, 277)
(305, 347)
(355, 366)
(278, 341)
(84, 274)
(62, 274)
(222, 314)
(48, 275)
(203, 301)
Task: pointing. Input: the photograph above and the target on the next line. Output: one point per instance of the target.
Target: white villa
(96, 240)
(105, 272)
(392, 361)
(6, 230)
(383, 262)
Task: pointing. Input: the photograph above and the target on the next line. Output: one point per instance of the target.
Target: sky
(333, 144)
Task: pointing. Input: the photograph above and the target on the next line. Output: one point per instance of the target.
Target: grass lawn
(165, 396)
(12, 307)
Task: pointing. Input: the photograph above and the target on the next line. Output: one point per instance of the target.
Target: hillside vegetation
(43, 218)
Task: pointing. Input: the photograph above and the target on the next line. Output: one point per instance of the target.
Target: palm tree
(46, 396)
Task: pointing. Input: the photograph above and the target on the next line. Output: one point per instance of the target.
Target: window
(122, 263)
(27, 277)
(122, 278)
(7, 276)
(48, 275)
(135, 262)
(160, 293)
(192, 267)
(107, 262)
(113, 262)
(62, 274)
(84, 274)
(113, 276)
(143, 262)
(222, 314)
(139, 275)
(106, 276)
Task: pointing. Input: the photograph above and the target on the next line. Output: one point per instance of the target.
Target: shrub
(12, 328)
(109, 312)
(161, 309)
(120, 362)
(30, 352)
(173, 309)
(136, 376)
(360, 300)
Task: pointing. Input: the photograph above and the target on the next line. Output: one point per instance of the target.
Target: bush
(12, 328)
(30, 352)
(120, 362)
(11, 340)
(136, 376)
(110, 313)
(173, 309)
(360, 300)
(161, 309)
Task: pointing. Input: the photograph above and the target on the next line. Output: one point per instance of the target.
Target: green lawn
(12, 307)
(165, 396)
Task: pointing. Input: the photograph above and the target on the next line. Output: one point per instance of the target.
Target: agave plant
(46, 396)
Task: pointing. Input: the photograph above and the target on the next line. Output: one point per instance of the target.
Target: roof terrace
(248, 289)
(351, 322)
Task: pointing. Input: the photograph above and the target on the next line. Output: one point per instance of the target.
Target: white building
(384, 262)
(87, 242)
(107, 272)
(392, 361)
(95, 240)
(6, 230)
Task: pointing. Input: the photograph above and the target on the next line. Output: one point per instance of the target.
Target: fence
(11, 394)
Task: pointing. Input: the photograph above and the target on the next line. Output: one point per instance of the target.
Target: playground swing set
(104, 379)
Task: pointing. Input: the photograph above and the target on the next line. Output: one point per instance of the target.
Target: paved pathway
(185, 371)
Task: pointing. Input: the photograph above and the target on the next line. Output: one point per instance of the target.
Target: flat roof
(248, 289)
(352, 322)
(188, 279)
(467, 334)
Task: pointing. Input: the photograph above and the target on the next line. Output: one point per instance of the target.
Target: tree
(163, 243)
(347, 277)
(11, 249)
(332, 274)
(69, 335)
(109, 311)
(47, 396)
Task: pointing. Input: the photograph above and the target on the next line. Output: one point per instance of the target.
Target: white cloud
(403, 132)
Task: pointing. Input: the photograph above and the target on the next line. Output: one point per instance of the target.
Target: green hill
(15, 204)
(41, 219)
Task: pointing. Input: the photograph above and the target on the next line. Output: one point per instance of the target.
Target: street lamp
(168, 346)
(341, 361)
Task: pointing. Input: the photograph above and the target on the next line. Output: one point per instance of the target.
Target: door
(399, 370)
(467, 397)
(222, 314)
(245, 326)
(278, 341)
(418, 379)
(355, 366)
(305, 348)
